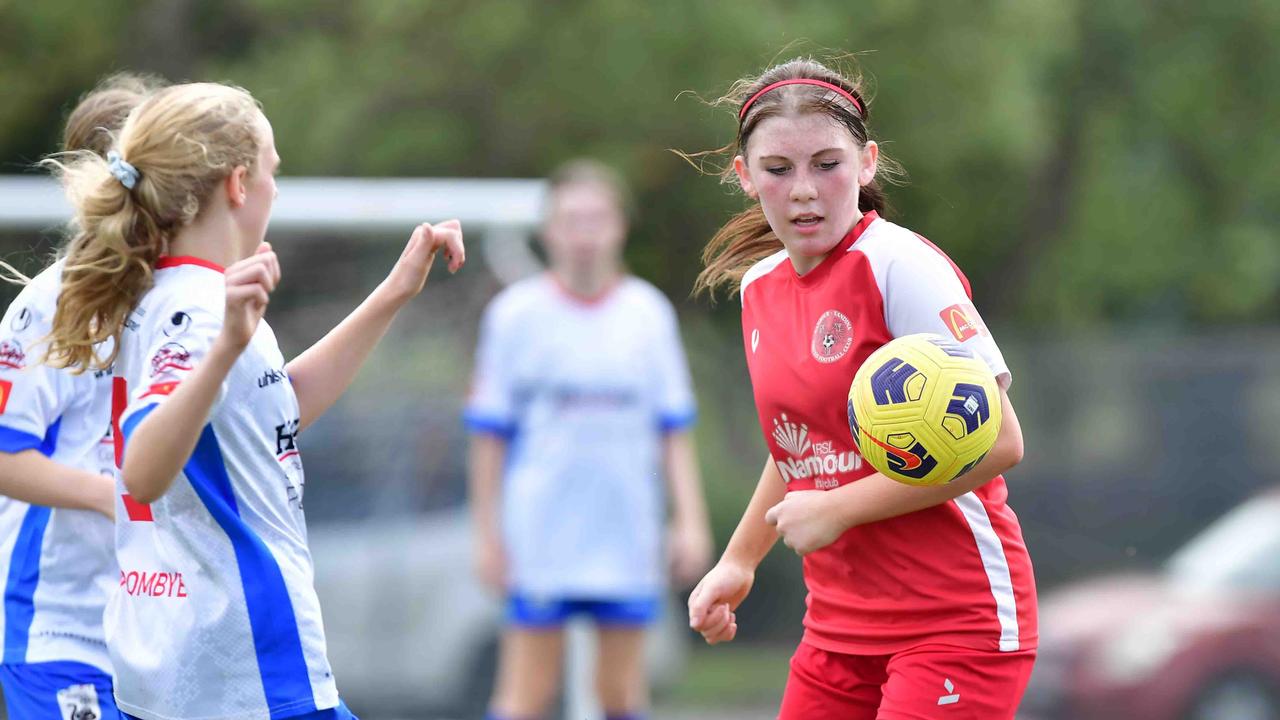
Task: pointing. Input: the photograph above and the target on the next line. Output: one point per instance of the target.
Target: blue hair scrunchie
(122, 170)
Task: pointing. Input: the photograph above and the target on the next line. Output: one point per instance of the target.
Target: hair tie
(122, 170)
(801, 81)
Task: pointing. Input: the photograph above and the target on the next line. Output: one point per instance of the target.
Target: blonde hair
(183, 141)
(101, 112)
(747, 237)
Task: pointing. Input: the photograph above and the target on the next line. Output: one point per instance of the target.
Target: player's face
(585, 228)
(259, 191)
(806, 171)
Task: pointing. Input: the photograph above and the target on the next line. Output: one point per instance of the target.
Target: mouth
(806, 220)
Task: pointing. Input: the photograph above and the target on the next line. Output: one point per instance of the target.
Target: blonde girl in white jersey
(216, 616)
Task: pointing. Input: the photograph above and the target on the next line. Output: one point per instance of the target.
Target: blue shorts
(334, 713)
(58, 690)
(528, 612)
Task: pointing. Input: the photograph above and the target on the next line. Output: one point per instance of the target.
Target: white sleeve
(923, 294)
(490, 407)
(176, 340)
(677, 408)
(33, 396)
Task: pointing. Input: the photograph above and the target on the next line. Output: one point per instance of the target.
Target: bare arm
(484, 487)
(690, 537)
(753, 538)
(813, 519)
(30, 477)
(325, 370)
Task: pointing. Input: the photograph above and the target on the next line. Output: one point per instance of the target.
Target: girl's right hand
(249, 285)
(714, 600)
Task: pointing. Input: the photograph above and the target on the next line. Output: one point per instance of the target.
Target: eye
(777, 170)
(829, 165)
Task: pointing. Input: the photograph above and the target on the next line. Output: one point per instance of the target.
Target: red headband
(800, 81)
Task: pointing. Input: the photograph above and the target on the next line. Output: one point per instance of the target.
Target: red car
(1199, 640)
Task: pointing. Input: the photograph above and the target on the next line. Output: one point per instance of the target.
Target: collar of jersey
(816, 275)
(168, 261)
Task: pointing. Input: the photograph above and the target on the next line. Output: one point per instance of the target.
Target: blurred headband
(801, 81)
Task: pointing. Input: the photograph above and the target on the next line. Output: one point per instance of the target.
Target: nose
(803, 188)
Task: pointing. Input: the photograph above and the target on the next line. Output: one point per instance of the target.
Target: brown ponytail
(182, 142)
(747, 237)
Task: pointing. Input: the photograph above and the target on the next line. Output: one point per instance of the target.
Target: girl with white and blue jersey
(215, 615)
(57, 545)
(580, 409)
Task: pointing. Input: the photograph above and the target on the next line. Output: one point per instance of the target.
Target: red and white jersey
(957, 573)
(215, 615)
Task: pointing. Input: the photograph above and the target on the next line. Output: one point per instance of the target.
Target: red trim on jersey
(119, 401)
(137, 512)
(581, 299)
(168, 261)
(6, 389)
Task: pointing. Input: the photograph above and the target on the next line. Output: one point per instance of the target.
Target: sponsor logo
(271, 377)
(832, 337)
(6, 389)
(170, 356)
(962, 320)
(79, 702)
(913, 462)
(290, 459)
(951, 698)
(12, 356)
(178, 324)
(810, 459)
(163, 388)
(22, 320)
(153, 584)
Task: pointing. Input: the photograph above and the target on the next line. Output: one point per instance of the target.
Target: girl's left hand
(806, 520)
(410, 272)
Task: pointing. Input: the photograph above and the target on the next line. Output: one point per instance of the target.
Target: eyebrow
(784, 157)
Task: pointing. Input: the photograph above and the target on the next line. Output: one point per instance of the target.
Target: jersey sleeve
(677, 409)
(490, 406)
(33, 396)
(924, 294)
(173, 345)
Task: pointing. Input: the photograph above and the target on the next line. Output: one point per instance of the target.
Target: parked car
(1199, 640)
(410, 630)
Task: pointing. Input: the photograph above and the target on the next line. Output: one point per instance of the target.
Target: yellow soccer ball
(924, 409)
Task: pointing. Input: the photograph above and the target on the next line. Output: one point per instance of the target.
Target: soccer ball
(924, 410)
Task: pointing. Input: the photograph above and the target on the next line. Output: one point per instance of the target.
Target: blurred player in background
(921, 599)
(57, 541)
(215, 614)
(581, 405)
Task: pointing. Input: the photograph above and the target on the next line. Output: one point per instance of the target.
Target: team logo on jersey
(791, 437)
(290, 460)
(178, 324)
(963, 321)
(22, 320)
(6, 388)
(832, 337)
(12, 356)
(79, 702)
(170, 356)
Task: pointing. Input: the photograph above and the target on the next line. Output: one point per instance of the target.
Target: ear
(870, 157)
(744, 177)
(235, 186)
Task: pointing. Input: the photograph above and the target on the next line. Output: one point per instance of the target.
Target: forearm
(878, 497)
(684, 482)
(30, 477)
(484, 483)
(325, 370)
(163, 442)
(753, 538)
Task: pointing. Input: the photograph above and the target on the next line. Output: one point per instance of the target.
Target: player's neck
(586, 285)
(210, 237)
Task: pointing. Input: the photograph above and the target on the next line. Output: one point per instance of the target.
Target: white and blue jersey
(215, 615)
(583, 391)
(58, 565)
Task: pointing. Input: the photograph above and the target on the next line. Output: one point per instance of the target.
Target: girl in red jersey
(921, 599)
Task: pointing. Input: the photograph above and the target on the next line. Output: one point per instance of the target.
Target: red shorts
(930, 681)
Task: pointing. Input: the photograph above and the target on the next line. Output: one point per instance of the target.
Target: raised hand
(410, 272)
(249, 286)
